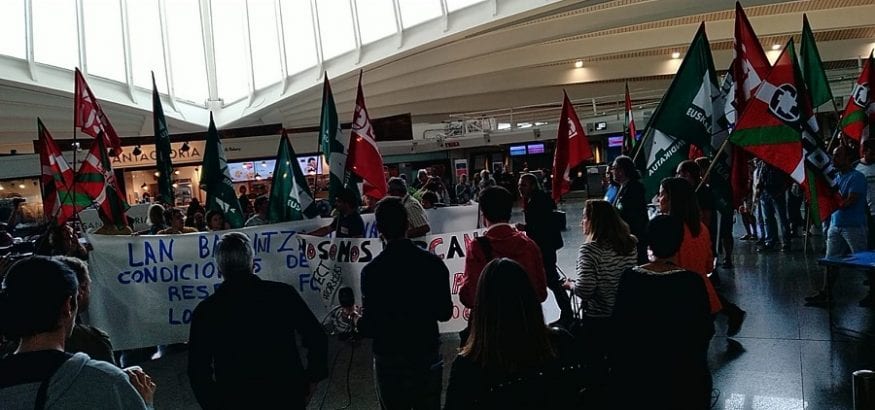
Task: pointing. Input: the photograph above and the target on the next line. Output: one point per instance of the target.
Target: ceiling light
(578, 63)
(157, 174)
(21, 186)
(1, 187)
(676, 54)
(175, 185)
(137, 150)
(176, 172)
(144, 187)
(776, 46)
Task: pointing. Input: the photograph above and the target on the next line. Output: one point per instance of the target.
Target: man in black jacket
(630, 201)
(242, 346)
(402, 319)
(544, 230)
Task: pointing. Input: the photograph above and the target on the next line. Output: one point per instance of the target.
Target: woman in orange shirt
(677, 197)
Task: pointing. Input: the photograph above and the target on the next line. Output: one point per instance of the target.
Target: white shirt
(868, 171)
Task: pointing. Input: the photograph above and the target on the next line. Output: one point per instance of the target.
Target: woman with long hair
(511, 359)
(663, 324)
(677, 198)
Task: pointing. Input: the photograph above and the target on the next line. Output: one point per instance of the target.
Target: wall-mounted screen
(615, 141)
(517, 150)
(535, 148)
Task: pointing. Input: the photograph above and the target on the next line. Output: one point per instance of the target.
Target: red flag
(56, 178)
(572, 148)
(631, 134)
(90, 118)
(748, 70)
(858, 115)
(363, 157)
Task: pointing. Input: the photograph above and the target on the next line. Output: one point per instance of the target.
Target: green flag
(812, 67)
(333, 143)
(216, 180)
(290, 197)
(684, 116)
(162, 148)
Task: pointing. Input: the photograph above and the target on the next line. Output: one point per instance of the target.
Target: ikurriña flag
(572, 148)
(56, 178)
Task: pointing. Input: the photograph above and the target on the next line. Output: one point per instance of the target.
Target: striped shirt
(415, 213)
(599, 269)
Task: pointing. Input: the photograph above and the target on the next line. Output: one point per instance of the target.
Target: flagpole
(713, 161)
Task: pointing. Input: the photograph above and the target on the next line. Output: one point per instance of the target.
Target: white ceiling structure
(254, 62)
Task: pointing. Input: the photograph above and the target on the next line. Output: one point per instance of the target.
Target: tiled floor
(785, 356)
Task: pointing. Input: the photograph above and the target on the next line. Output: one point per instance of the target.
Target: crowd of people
(644, 287)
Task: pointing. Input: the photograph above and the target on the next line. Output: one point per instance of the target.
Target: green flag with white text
(216, 180)
(333, 143)
(684, 116)
(290, 197)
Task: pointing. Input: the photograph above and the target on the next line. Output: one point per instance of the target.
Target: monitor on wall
(517, 150)
(535, 148)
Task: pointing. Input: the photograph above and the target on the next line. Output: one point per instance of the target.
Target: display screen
(310, 164)
(616, 141)
(535, 148)
(251, 170)
(516, 150)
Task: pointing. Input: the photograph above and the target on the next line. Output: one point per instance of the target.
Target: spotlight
(776, 46)
(1, 187)
(20, 186)
(137, 150)
(578, 63)
(176, 172)
(185, 147)
(144, 187)
(157, 174)
(676, 55)
(175, 185)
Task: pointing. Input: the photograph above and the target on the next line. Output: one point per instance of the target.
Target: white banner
(138, 212)
(145, 287)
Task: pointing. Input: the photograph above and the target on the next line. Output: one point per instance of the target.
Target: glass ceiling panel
(12, 29)
(104, 52)
(187, 50)
(266, 64)
(376, 19)
(335, 26)
(232, 75)
(147, 51)
(414, 12)
(298, 35)
(453, 5)
(55, 39)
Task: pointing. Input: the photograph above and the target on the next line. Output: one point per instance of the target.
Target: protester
(670, 306)
(109, 227)
(199, 222)
(500, 240)
(486, 180)
(847, 225)
(177, 223)
(541, 226)
(417, 221)
(262, 208)
(216, 220)
(84, 338)
(866, 166)
(630, 201)
(243, 351)
(408, 366)
(43, 294)
(464, 193)
(157, 222)
(773, 201)
(61, 240)
(677, 198)
(347, 223)
(429, 200)
(610, 185)
(512, 360)
(436, 185)
(245, 202)
(193, 208)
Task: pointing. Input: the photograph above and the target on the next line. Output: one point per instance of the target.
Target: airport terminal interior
(452, 88)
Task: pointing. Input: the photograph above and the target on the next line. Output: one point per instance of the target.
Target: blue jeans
(773, 206)
(406, 384)
(842, 241)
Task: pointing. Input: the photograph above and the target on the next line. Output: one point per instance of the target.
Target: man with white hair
(417, 221)
(242, 345)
